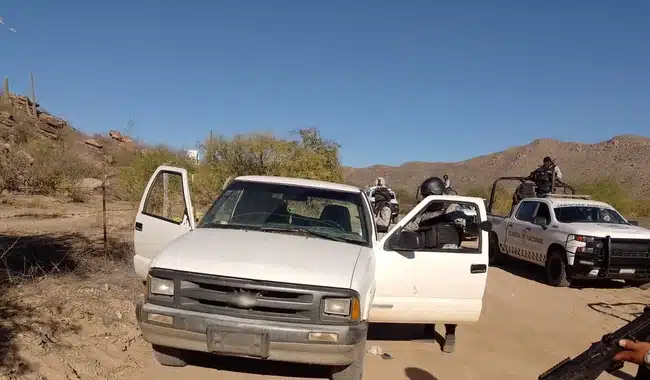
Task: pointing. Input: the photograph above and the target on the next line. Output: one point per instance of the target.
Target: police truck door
(518, 226)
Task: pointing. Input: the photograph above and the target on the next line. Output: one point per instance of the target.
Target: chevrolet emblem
(244, 300)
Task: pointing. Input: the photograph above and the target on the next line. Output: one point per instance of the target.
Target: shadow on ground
(285, 370)
(414, 373)
(17, 318)
(25, 259)
(381, 331)
(258, 367)
(536, 273)
(28, 257)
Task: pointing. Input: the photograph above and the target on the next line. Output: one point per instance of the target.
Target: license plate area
(229, 341)
(626, 271)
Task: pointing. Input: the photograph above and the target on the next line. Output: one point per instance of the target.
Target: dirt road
(67, 327)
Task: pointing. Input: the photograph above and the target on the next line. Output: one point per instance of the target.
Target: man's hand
(633, 352)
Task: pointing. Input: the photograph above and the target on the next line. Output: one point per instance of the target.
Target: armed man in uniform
(437, 213)
(544, 177)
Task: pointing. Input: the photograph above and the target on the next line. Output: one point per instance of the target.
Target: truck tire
(556, 269)
(641, 284)
(495, 256)
(168, 356)
(354, 370)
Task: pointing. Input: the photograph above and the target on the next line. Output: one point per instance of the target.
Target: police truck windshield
(588, 214)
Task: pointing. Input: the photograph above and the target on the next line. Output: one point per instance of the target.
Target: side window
(526, 211)
(544, 212)
(447, 227)
(165, 199)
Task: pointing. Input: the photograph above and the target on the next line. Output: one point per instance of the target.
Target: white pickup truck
(572, 238)
(291, 270)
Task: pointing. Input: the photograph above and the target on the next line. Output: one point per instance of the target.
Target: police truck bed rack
(557, 185)
(572, 196)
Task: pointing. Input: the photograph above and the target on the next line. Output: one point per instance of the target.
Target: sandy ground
(83, 326)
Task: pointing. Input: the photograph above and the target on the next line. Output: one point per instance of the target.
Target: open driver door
(165, 213)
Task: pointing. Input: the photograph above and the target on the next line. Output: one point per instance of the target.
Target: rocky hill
(625, 158)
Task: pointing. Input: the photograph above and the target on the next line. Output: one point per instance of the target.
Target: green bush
(132, 179)
(309, 156)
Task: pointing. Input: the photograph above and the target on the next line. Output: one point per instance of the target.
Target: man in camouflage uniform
(544, 176)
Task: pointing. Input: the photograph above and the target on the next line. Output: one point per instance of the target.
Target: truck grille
(248, 298)
(630, 248)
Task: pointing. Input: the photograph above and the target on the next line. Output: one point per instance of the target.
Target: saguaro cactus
(5, 91)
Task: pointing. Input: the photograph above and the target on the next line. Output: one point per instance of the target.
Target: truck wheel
(641, 284)
(354, 370)
(556, 269)
(168, 356)
(495, 256)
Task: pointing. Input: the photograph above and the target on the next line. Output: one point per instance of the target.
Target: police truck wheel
(168, 356)
(495, 256)
(556, 269)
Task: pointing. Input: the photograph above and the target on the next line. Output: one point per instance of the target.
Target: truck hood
(622, 231)
(262, 256)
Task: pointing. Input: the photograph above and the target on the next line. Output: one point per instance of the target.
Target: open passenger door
(165, 213)
(431, 285)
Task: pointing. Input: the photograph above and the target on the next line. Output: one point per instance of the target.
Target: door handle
(509, 224)
(527, 229)
(477, 268)
(138, 226)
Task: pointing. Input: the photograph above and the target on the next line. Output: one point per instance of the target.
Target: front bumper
(287, 341)
(588, 267)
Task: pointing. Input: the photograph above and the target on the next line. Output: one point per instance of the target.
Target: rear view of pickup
(572, 239)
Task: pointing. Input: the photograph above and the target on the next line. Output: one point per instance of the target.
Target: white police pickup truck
(572, 238)
(291, 270)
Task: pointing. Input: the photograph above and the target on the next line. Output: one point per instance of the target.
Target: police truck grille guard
(616, 254)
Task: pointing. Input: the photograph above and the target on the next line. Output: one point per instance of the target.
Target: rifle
(599, 356)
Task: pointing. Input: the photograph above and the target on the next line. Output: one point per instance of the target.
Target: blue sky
(391, 81)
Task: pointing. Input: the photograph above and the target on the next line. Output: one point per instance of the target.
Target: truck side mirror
(485, 225)
(407, 241)
(634, 222)
(540, 221)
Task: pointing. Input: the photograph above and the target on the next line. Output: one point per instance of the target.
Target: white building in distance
(193, 154)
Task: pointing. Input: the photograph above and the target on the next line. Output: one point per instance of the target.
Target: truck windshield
(293, 209)
(588, 214)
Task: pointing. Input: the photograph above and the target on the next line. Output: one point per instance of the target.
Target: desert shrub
(14, 168)
(55, 167)
(132, 179)
(78, 194)
(606, 190)
(309, 156)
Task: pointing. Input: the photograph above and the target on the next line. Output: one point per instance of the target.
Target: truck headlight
(587, 244)
(161, 286)
(342, 307)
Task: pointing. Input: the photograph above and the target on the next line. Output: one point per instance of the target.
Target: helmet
(445, 176)
(547, 160)
(432, 186)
